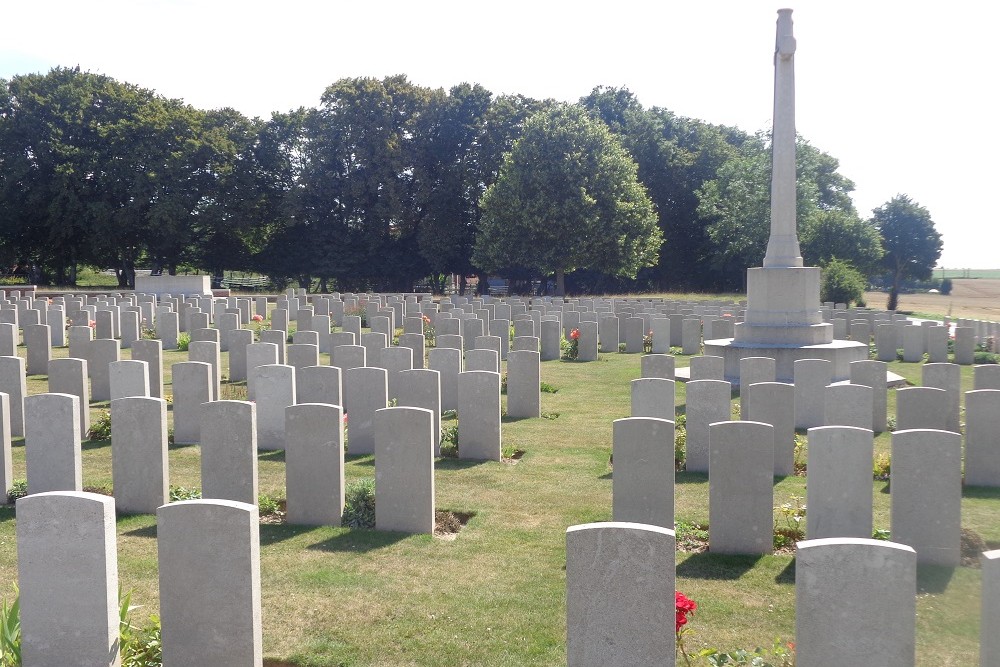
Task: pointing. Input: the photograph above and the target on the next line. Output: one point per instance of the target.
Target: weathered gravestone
(740, 487)
(404, 470)
(619, 595)
(839, 494)
(209, 563)
(643, 478)
(926, 498)
(68, 587)
(314, 463)
(52, 456)
(876, 581)
(139, 466)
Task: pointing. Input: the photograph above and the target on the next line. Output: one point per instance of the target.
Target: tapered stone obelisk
(783, 318)
(783, 245)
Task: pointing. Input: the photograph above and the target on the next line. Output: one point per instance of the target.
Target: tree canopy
(912, 244)
(567, 197)
(386, 183)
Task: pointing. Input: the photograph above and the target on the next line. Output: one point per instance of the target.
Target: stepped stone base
(840, 352)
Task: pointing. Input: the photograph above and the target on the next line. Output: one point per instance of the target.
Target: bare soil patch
(448, 523)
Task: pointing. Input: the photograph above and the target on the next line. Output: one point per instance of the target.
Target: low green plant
(799, 455)
(986, 358)
(503, 383)
(100, 428)
(546, 388)
(18, 489)
(449, 439)
(779, 655)
(178, 493)
(10, 631)
(139, 646)
(680, 442)
(787, 533)
(569, 348)
(881, 534)
(267, 505)
(183, 342)
(359, 504)
(881, 466)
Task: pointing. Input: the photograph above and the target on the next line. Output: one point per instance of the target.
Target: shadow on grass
(360, 459)
(88, 445)
(983, 492)
(276, 455)
(451, 463)
(145, 531)
(6, 512)
(787, 576)
(933, 578)
(690, 477)
(272, 533)
(181, 445)
(716, 566)
(359, 541)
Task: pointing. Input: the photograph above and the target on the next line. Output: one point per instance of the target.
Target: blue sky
(902, 93)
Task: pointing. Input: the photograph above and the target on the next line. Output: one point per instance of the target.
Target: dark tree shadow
(716, 566)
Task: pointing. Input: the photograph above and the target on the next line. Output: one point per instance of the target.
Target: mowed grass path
(496, 594)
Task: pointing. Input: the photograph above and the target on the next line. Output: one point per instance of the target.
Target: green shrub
(140, 647)
(359, 504)
(10, 631)
(945, 286)
(841, 283)
(183, 342)
(183, 493)
(546, 388)
(680, 442)
(986, 358)
(100, 428)
(267, 506)
(449, 439)
(18, 489)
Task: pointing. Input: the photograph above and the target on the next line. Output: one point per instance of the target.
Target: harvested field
(977, 298)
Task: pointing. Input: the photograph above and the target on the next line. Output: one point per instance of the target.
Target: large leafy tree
(447, 183)
(567, 197)
(675, 157)
(354, 218)
(912, 244)
(736, 205)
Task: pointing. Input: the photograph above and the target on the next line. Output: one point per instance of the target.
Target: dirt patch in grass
(973, 545)
(276, 516)
(516, 456)
(448, 523)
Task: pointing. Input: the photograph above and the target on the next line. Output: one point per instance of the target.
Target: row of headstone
(620, 595)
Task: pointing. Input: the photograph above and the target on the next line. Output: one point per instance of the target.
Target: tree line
(381, 186)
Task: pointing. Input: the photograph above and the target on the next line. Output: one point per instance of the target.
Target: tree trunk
(560, 282)
(894, 292)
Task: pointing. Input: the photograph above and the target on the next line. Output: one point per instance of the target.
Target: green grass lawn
(495, 595)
